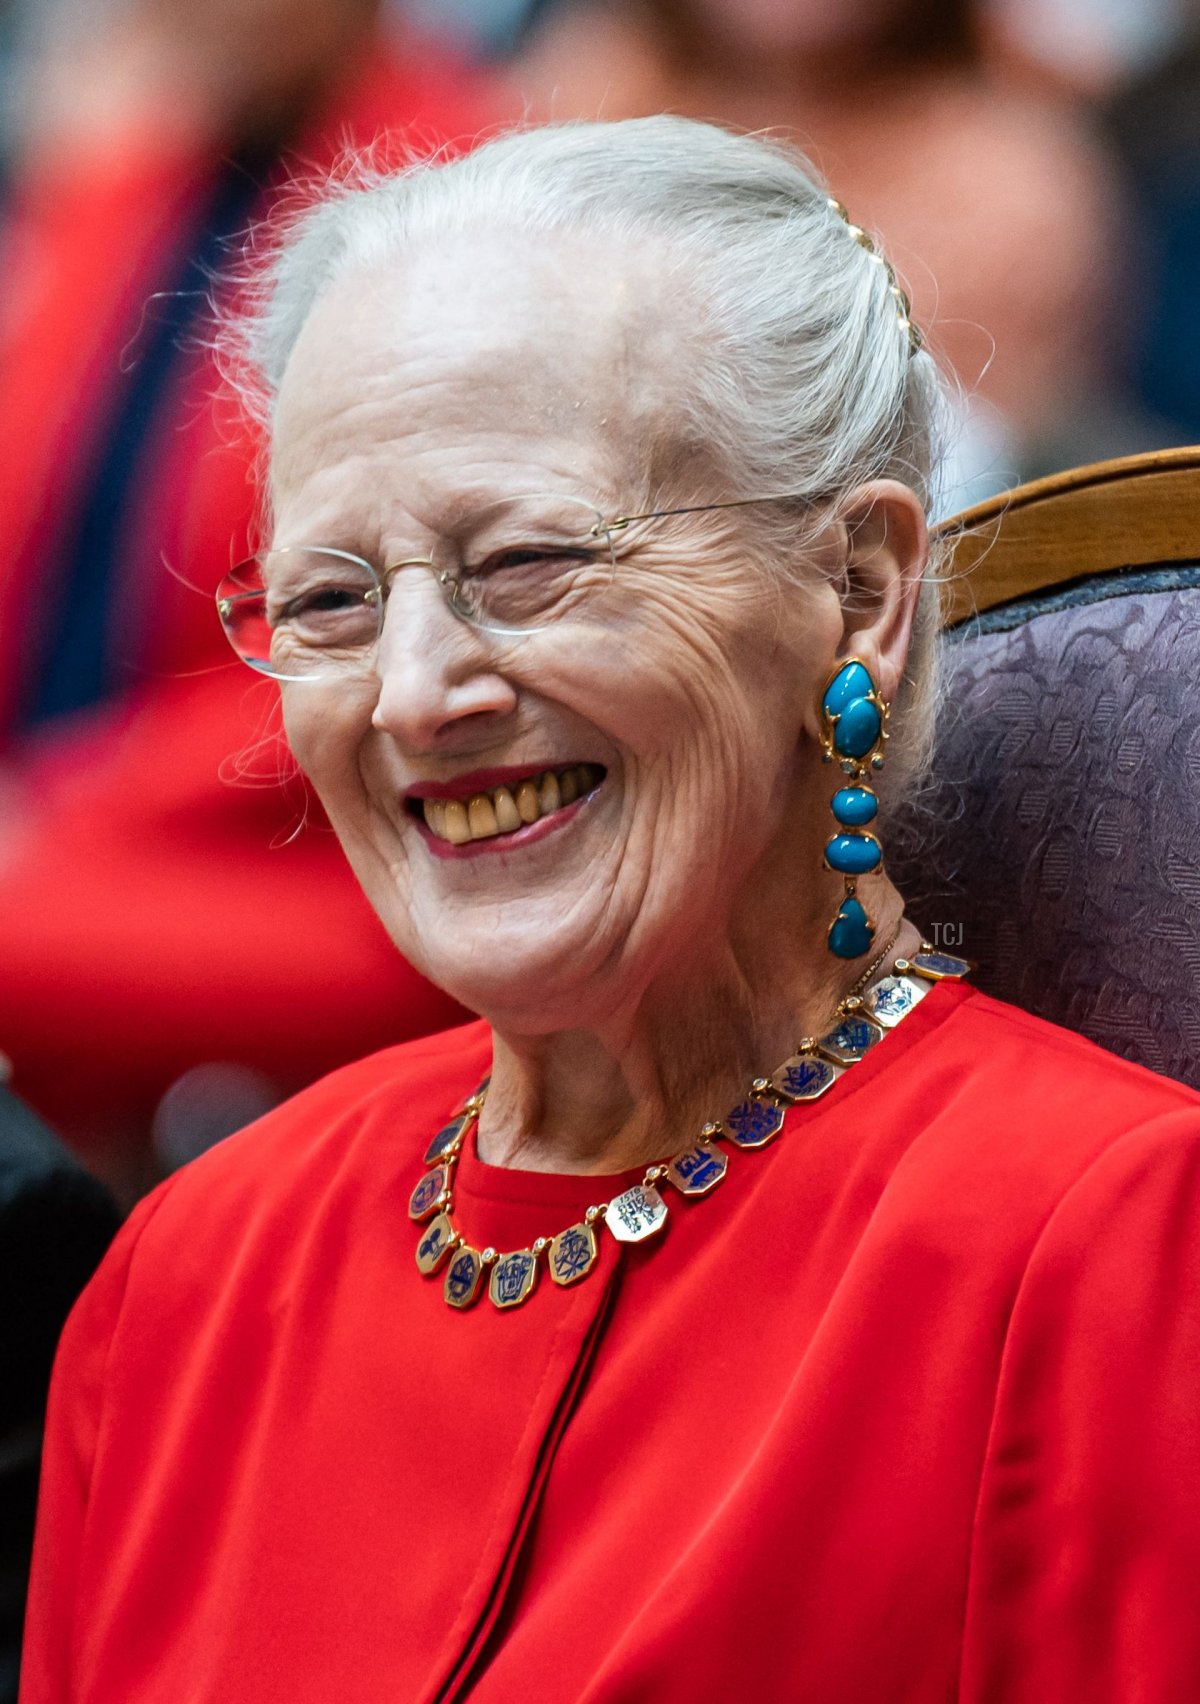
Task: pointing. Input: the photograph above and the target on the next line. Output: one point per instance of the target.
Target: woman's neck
(636, 1087)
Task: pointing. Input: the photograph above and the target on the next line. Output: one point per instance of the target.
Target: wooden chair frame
(1131, 513)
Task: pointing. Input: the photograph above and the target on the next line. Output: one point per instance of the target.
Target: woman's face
(677, 699)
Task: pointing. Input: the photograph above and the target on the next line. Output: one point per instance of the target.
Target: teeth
(527, 802)
(482, 817)
(508, 817)
(456, 825)
(502, 811)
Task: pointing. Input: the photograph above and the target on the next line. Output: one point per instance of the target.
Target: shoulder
(1127, 1139)
(369, 1120)
(407, 1086)
(1093, 1454)
(1060, 1093)
(1034, 1055)
(1002, 1119)
(267, 1216)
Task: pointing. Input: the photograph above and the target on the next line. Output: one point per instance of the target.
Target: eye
(321, 600)
(526, 556)
(324, 601)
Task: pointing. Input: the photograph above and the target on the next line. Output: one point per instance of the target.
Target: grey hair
(804, 382)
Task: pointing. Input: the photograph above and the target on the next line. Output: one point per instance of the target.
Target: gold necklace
(641, 1211)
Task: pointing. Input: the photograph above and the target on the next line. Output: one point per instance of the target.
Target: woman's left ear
(886, 549)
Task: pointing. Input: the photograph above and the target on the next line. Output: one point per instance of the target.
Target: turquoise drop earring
(854, 731)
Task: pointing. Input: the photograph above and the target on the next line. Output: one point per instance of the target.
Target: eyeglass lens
(515, 566)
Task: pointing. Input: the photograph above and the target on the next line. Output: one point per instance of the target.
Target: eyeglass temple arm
(622, 521)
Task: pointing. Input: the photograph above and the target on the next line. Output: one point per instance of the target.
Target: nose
(437, 674)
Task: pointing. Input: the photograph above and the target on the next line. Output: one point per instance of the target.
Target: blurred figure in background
(1138, 63)
(996, 201)
(1091, 48)
(1154, 123)
(152, 921)
(55, 1223)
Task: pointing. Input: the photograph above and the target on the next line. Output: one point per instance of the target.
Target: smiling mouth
(493, 812)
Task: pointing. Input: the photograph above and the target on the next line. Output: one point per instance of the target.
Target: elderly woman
(747, 1308)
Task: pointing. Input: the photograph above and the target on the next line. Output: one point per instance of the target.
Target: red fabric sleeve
(73, 1420)
(1086, 1549)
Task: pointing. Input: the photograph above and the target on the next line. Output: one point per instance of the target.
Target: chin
(540, 966)
(537, 996)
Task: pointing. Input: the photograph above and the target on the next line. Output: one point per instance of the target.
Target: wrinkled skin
(668, 941)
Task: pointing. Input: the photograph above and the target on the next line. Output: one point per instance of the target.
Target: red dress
(908, 1410)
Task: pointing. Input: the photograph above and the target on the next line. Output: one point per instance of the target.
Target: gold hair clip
(902, 304)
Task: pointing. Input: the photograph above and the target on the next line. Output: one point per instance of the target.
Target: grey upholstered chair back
(1058, 844)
